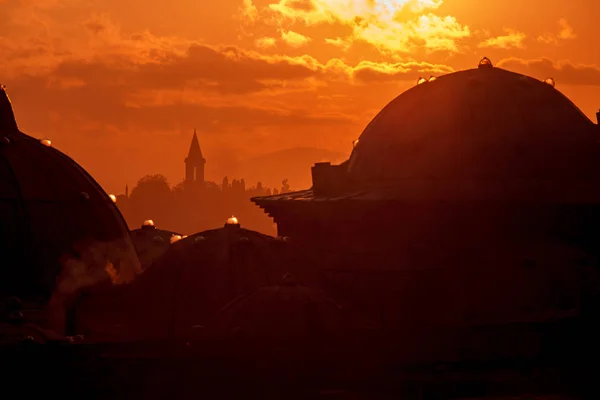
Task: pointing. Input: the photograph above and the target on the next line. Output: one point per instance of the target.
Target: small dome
(46, 142)
(113, 198)
(52, 211)
(206, 270)
(284, 313)
(432, 78)
(421, 80)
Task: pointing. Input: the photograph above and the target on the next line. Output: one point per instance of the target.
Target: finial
(148, 224)
(550, 81)
(175, 238)
(485, 63)
(7, 116)
(232, 222)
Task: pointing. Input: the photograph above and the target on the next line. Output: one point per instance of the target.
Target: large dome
(479, 124)
(58, 228)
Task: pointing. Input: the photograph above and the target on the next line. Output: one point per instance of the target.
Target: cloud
(265, 42)
(563, 72)
(369, 72)
(565, 32)
(248, 10)
(343, 44)
(294, 39)
(391, 26)
(512, 39)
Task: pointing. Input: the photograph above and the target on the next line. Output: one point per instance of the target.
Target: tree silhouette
(285, 187)
(151, 198)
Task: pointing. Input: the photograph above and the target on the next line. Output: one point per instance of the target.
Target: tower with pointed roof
(194, 162)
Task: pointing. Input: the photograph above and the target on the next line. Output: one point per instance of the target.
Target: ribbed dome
(51, 213)
(485, 123)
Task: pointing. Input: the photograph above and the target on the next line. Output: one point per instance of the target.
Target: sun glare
(390, 25)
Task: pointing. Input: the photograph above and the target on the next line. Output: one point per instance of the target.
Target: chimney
(328, 179)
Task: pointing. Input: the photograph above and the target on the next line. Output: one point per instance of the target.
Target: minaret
(194, 162)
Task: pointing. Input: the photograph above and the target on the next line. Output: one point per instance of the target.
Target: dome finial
(232, 222)
(148, 224)
(550, 81)
(8, 123)
(175, 238)
(485, 63)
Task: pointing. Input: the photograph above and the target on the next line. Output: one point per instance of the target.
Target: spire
(7, 117)
(195, 154)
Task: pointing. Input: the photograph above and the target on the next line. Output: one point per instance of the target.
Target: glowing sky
(120, 84)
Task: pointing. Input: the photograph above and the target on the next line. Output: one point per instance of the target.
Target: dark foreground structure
(454, 255)
(59, 230)
(471, 199)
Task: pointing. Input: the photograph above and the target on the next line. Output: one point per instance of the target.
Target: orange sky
(120, 84)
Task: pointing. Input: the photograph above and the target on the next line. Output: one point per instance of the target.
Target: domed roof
(52, 211)
(151, 242)
(478, 124)
(201, 273)
(285, 312)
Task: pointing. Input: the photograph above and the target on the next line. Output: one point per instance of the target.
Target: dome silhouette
(199, 274)
(475, 125)
(51, 213)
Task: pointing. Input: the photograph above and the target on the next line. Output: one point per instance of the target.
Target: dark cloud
(565, 72)
(381, 73)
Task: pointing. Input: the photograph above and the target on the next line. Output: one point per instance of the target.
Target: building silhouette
(194, 163)
(469, 201)
(195, 204)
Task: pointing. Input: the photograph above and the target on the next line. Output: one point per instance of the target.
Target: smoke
(95, 263)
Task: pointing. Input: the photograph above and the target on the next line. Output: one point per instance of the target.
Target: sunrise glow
(107, 80)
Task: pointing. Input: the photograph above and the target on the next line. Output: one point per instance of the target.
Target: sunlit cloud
(565, 32)
(512, 39)
(294, 39)
(343, 44)
(389, 25)
(265, 42)
(249, 10)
